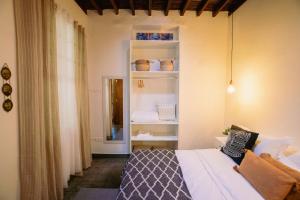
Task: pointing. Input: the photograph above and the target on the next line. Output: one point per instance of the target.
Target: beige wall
(9, 167)
(267, 68)
(74, 10)
(202, 76)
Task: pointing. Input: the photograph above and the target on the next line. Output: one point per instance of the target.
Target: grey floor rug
(96, 194)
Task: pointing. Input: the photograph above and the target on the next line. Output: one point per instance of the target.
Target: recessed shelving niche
(159, 87)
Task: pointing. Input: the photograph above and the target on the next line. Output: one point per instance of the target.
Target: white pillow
(290, 150)
(292, 161)
(272, 145)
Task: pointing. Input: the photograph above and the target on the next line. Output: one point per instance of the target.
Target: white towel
(143, 135)
(144, 116)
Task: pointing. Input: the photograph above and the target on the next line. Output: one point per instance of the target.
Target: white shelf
(154, 74)
(155, 43)
(156, 138)
(155, 123)
(155, 90)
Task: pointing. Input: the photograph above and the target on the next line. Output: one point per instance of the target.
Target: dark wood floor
(104, 173)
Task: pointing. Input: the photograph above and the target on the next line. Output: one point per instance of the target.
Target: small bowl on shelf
(166, 65)
(142, 65)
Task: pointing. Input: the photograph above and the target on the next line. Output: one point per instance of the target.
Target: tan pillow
(295, 193)
(269, 181)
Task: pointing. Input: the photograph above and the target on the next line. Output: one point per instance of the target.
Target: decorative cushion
(271, 182)
(250, 144)
(237, 142)
(295, 192)
(239, 128)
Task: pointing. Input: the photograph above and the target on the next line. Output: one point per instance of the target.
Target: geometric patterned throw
(153, 175)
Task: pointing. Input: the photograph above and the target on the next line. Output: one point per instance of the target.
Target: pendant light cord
(231, 56)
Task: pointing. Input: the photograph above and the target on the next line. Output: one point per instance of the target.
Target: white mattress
(209, 175)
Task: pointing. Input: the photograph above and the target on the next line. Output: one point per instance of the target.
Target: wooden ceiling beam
(201, 7)
(115, 6)
(186, 5)
(82, 6)
(150, 8)
(219, 7)
(97, 7)
(232, 8)
(165, 5)
(168, 7)
(131, 2)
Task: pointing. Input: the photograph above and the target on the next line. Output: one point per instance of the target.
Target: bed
(205, 174)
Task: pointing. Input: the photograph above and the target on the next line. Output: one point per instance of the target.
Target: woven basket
(166, 65)
(142, 65)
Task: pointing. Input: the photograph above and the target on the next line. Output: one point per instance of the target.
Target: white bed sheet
(209, 175)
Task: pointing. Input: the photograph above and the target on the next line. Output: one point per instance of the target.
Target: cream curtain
(82, 94)
(69, 121)
(40, 149)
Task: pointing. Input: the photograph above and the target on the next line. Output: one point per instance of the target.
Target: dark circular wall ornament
(6, 89)
(5, 72)
(7, 105)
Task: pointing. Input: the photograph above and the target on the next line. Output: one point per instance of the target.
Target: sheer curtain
(39, 137)
(69, 121)
(82, 93)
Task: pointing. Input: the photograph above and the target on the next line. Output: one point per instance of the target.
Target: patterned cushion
(153, 175)
(238, 141)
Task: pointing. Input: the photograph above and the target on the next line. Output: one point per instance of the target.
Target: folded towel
(144, 136)
(145, 116)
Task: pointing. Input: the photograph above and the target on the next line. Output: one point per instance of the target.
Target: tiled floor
(104, 173)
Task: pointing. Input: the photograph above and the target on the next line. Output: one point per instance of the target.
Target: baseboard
(96, 155)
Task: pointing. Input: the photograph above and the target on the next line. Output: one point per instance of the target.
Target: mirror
(113, 91)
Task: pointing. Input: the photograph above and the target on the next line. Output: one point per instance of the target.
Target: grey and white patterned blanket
(153, 175)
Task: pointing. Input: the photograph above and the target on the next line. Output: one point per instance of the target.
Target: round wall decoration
(5, 72)
(6, 89)
(7, 105)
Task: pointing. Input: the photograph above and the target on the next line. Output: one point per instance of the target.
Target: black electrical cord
(231, 56)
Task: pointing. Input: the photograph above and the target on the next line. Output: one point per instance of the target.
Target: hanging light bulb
(231, 88)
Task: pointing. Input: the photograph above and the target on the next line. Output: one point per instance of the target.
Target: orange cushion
(269, 181)
(295, 193)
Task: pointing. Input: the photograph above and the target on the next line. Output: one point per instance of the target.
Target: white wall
(9, 167)
(202, 78)
(74, 10)
(267, 68)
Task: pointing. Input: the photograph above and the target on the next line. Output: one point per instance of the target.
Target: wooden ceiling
(215, 6)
